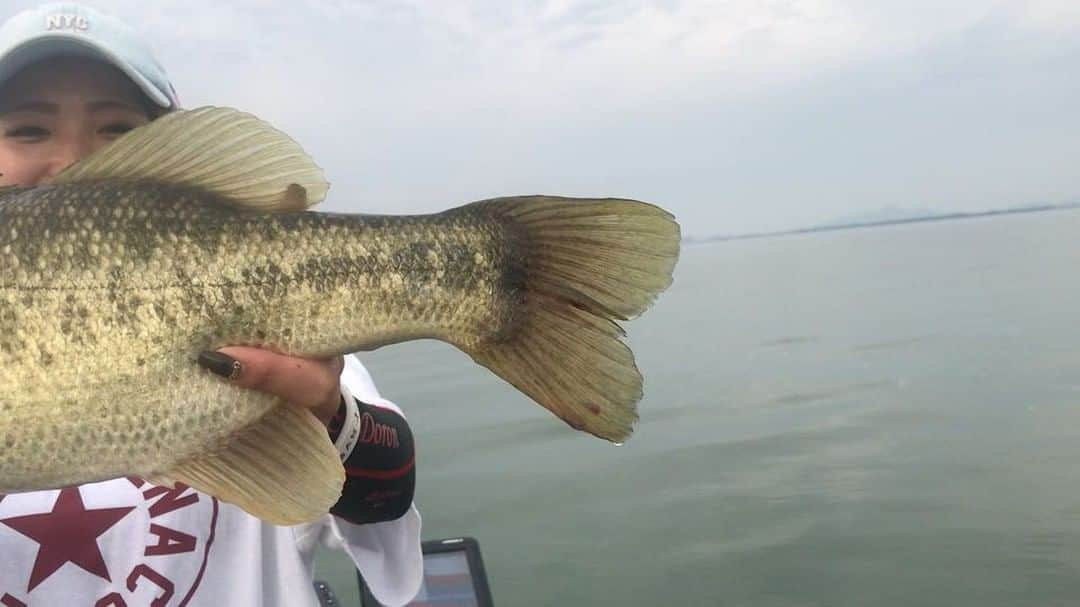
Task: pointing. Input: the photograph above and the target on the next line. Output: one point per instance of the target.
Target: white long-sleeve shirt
(127, 543)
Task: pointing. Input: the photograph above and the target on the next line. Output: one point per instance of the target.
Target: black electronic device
(454, 576)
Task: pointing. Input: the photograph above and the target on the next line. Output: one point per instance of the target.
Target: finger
(304, 382)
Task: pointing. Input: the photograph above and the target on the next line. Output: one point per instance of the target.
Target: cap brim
(52, 45)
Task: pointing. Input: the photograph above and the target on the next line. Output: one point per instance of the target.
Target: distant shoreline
(887, 222)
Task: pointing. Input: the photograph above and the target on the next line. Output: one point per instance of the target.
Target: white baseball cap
(66, 28)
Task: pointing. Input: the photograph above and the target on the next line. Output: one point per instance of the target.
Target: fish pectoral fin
(218, 149)
(283, 469)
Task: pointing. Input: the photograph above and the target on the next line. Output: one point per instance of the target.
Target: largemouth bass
(195, 232)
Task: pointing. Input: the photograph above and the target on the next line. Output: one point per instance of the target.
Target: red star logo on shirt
(67, 534)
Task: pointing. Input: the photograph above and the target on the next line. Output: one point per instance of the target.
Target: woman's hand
(313, 384)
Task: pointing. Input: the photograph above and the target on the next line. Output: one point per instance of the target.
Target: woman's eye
(117, 128)
(26, 132)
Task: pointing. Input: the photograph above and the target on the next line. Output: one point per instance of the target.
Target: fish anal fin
(282, 469)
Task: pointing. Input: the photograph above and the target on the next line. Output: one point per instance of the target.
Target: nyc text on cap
(66, 28)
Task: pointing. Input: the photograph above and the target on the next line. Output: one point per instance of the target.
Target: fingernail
(220, 364)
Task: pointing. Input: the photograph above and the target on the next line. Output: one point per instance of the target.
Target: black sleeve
(380, 473)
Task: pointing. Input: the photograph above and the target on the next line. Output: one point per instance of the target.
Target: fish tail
(584, 265)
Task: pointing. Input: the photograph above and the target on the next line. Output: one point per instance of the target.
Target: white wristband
(350, 428)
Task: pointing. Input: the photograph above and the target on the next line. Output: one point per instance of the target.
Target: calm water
(883, 416)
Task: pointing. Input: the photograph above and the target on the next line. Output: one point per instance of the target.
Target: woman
(71, 81)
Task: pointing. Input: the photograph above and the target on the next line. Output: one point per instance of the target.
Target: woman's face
(55, 112)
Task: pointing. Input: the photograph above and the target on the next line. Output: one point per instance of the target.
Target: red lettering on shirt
(170, 499)
(113, 599)
(142, 571)
(382, 435)
(170, 541)
(173, 543)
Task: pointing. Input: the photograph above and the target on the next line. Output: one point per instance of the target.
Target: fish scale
(116, 274)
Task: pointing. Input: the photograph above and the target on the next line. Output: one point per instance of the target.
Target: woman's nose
(68, 153)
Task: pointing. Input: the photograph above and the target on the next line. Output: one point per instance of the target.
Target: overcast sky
(737, 115)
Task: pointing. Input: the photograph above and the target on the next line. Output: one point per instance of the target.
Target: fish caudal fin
(586, 264)
(282, 469)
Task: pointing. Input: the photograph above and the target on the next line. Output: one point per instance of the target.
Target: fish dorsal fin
(283, 469)
(222, 150)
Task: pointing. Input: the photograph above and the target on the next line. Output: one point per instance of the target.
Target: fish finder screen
(447, 582)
